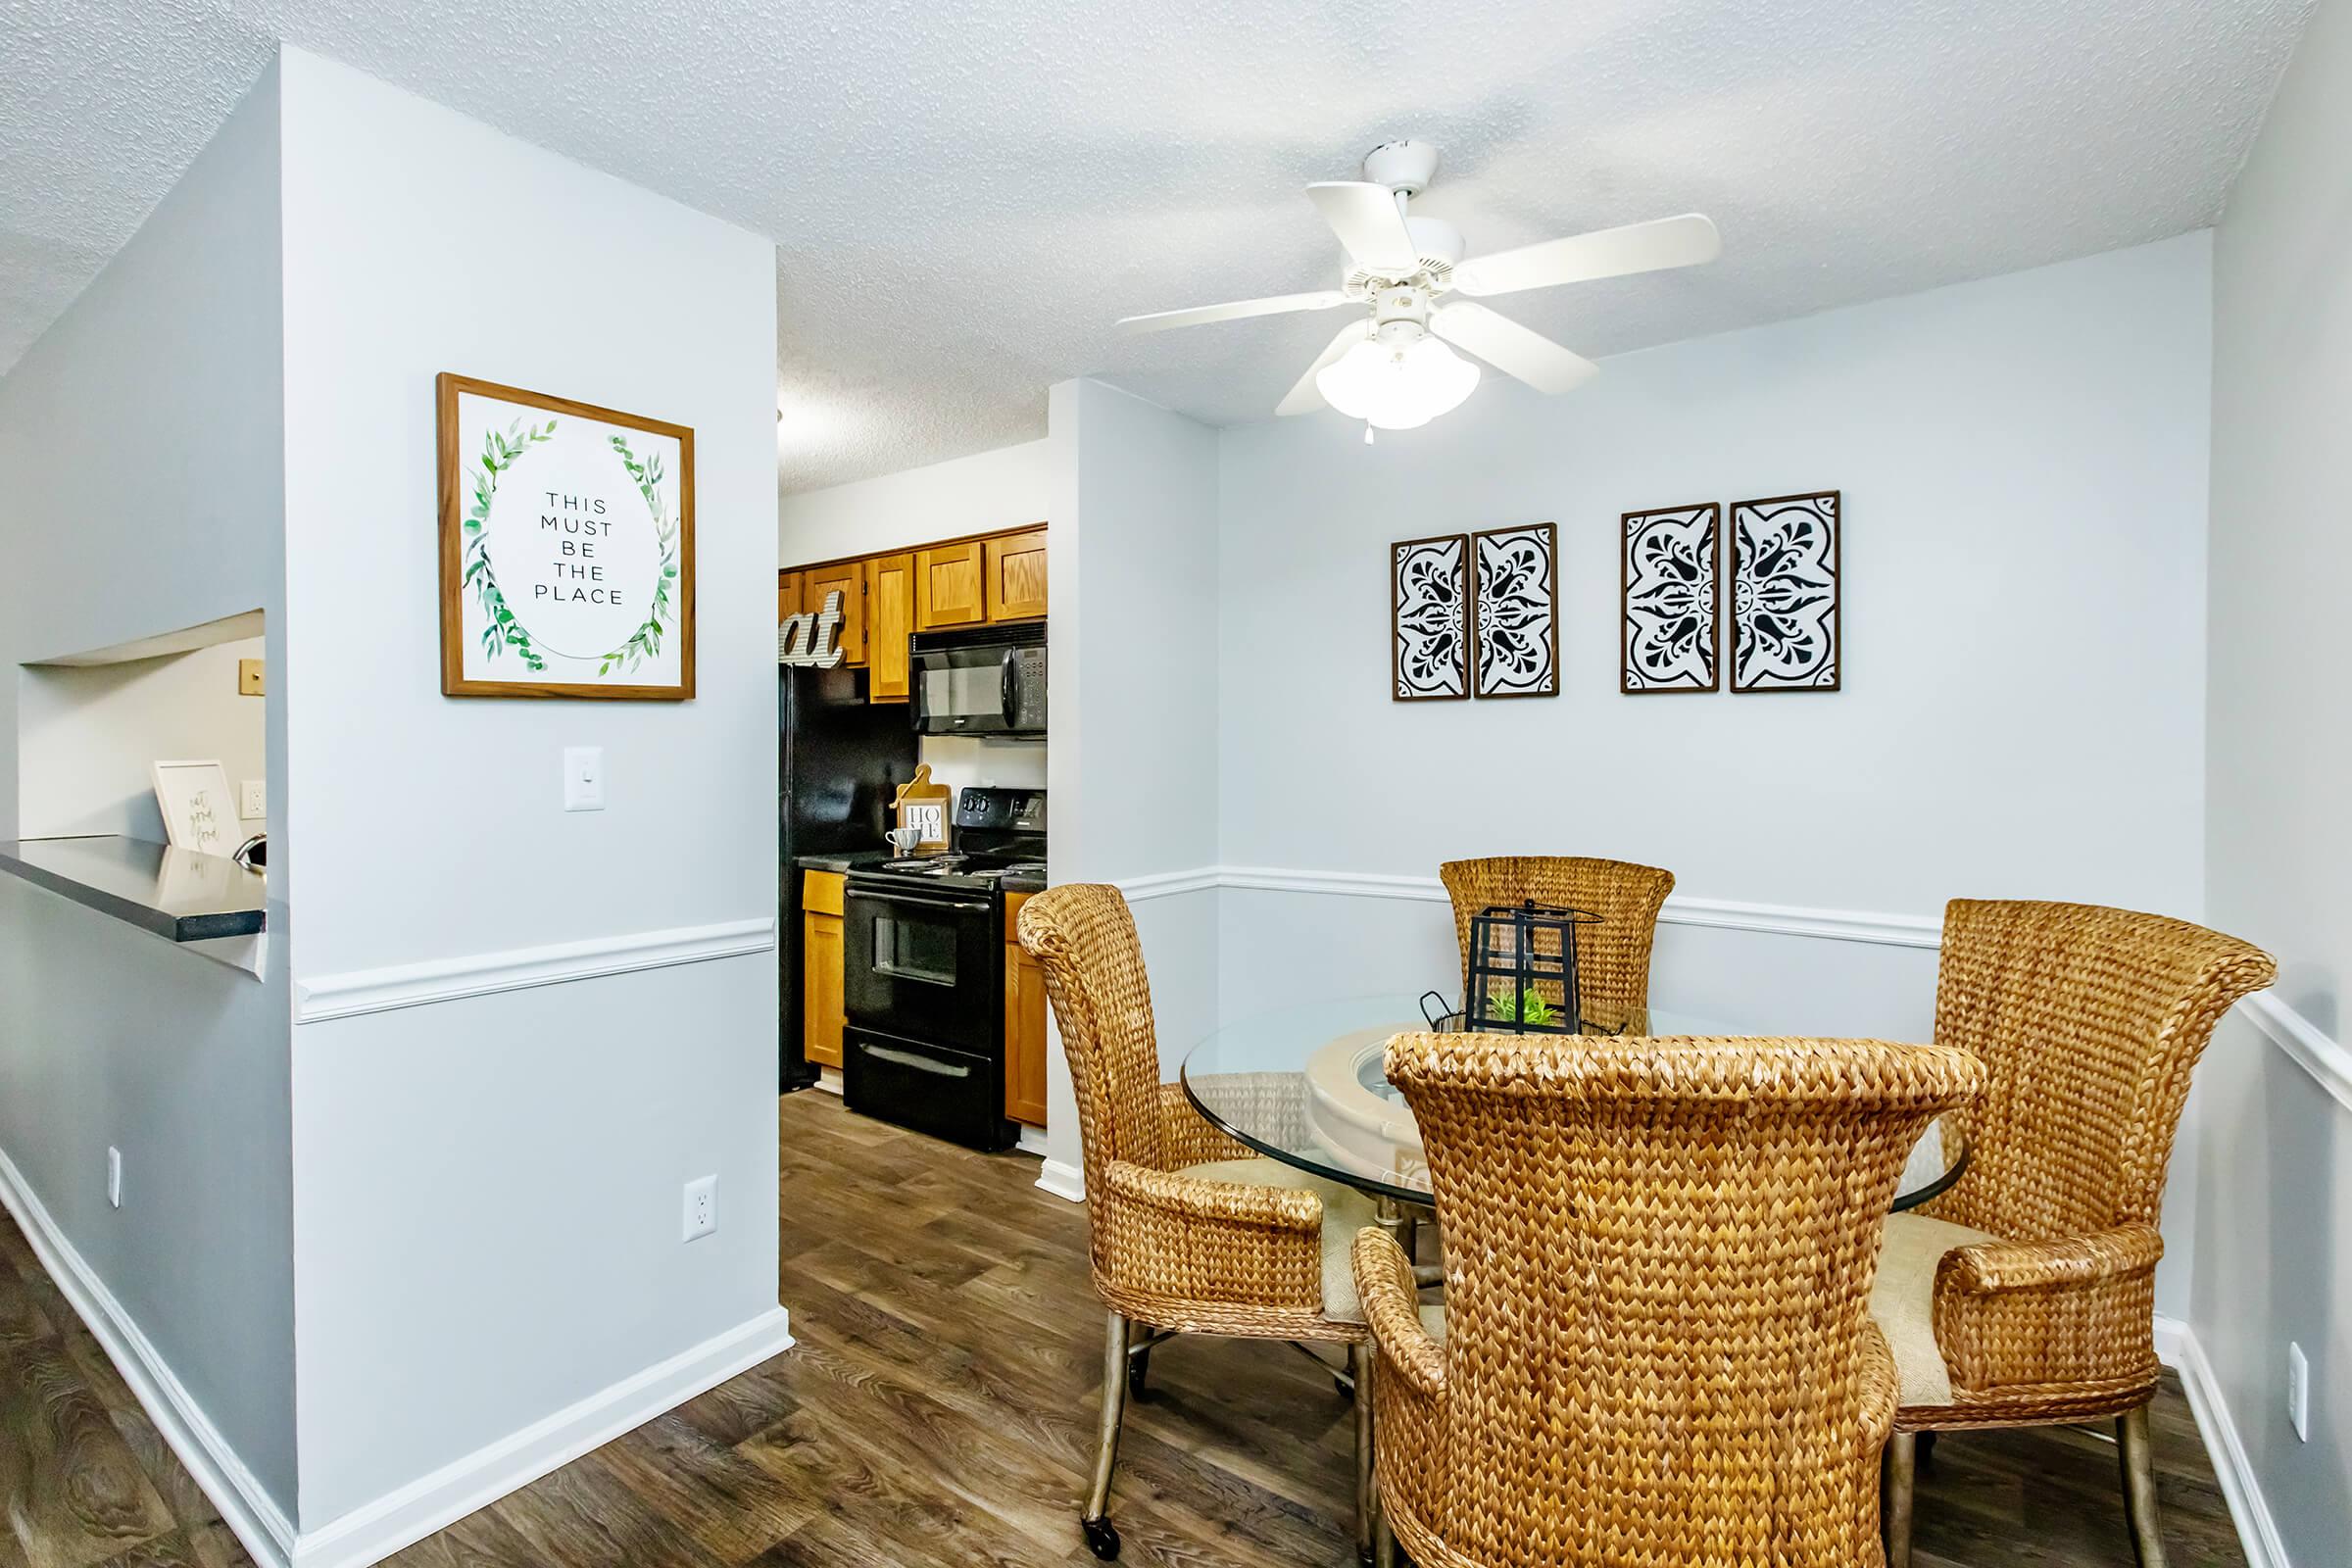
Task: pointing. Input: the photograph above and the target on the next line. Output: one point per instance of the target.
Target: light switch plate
(253, 799)
(583, 778)
(249, 677)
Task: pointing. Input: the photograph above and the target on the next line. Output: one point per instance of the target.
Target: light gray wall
(1133, 559)
(2024, 468)
(143, 442)
(88, 733)
(2273, 1256)
(487, 1220)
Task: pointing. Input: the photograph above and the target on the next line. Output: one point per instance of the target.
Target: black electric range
(923, 974)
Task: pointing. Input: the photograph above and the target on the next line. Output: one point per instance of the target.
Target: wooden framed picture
(1429, 618)
(1670, 600)
(1515, 603)
(1785, 589)
(566, 547)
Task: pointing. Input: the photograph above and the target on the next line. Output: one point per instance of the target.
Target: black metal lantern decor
(1523, 969)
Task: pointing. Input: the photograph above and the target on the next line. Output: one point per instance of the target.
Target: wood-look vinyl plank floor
(939, 1410)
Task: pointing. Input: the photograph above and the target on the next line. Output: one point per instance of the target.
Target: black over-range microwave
(989, 681)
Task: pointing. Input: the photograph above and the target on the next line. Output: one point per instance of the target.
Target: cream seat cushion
(1345, 1212)
(1903, 1301)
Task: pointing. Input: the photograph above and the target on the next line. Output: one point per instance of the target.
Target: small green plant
(1533, 1009)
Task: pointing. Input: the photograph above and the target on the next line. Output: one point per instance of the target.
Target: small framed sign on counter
(566, 547)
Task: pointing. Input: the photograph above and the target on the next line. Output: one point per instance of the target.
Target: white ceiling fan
(1404, 279)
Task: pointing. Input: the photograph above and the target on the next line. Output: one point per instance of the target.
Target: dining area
(1610, 1280)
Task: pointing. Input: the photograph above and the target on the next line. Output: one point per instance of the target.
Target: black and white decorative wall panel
(1671, 600)
(1516, 599)
(1784, 593)
(1429, 618)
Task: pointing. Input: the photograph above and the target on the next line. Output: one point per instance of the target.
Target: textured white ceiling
(964, 197)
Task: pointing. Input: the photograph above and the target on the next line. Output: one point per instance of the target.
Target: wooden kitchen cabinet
(950, 586)
(1016, 576)
(821, 967)
(847, 578)
(955, 583)
(1024, 1024)
(888, 617)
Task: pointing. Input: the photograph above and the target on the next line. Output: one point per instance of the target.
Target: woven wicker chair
(1656, 1346)
(1612, 958)
(2023, 1296)
(1191, 1233)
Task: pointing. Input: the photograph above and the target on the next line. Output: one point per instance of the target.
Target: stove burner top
(963, 867)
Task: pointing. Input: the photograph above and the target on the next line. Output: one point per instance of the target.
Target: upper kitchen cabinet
(1016, 576)
(847, 578)
(888, 617)
(949, 586)
(788, 596)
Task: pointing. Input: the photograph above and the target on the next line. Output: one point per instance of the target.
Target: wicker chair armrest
(2051, 1324)
(1991, 1266)
(1188, 1138)
(1383, 1282)
(1882, 1388)
(1179, 1236)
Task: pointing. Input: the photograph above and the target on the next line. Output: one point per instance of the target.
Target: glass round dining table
(1305, 1085)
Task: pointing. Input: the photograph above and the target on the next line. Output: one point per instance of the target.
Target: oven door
(924, 963)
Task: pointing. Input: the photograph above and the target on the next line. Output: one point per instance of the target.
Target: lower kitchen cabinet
(1024, 1024)
(820, 967)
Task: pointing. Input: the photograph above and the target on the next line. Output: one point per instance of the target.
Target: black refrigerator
(840, 762)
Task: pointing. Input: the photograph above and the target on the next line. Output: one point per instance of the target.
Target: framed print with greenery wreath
(566, 547)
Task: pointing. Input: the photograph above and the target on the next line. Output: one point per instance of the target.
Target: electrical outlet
(253, 799)
(249, 677)
(701, 1209)
(2298, 1393)
(114, 1176)
(583, 778)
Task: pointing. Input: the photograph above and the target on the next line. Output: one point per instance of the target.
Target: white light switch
(253, 799)
(583, 778)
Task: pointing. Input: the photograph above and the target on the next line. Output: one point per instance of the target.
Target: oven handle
(921, 900)
(907, 1058)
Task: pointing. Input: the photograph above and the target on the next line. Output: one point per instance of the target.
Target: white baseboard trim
(1063, 1180)
(2170, 1335)
(1029, 1140)
(2305, 1043)
(358, 991)
(377, 1530)
(259, 1525)
(2241, 1489)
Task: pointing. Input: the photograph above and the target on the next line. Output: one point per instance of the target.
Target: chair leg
(1384, 1545)
(2139, 1459)
(1101, 1538)
(1367, 1495)
(1897, 1470)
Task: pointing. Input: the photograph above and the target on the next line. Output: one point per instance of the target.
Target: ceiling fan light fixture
(1398, 386)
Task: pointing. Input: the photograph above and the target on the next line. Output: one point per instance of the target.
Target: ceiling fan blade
(1511, 348)
(1272, 305)
(1367, 219)
(1303, 398)
(1650, 247)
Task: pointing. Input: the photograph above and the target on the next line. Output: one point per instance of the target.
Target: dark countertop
(179, 895)
(1022, 884)
(842, 861)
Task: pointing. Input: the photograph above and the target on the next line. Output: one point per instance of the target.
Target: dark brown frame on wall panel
(448, 387)
(1625, 589)
(1731, 543)
(1469, 622)
(1551, 532)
